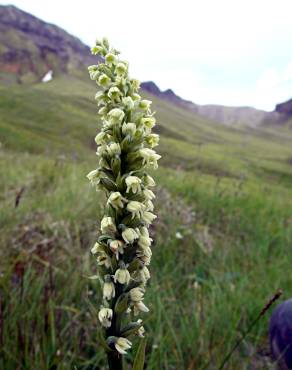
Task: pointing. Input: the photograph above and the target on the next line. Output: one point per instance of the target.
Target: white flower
(149, 205)
(122, 275)
(129, 235)
(121, 69)
(145, 252)
(96, 248)
(140, 306)
(99, 138)
(179, 235)
(107, 225)
(116, 115)
(104, 260)
(141, 332)
(149, 157)
(93, 177)
(145, 104)
(96, 49)
(136, 97)
(133, 184)
(104, 80)
(128, 102)
(136, 208)
(116, 200)
(102, 111)
(108, 289)
(135, 84)
(114, 92)
(152, 140)
(129, 128)
(148, 122)
(105, 316)
(149, 181)
(137, 294)
(144, 274)
(122, 345)
(148, 217)
(144, 242)
(117, 247)
(149, 194)
(114, 149)
(110, 59)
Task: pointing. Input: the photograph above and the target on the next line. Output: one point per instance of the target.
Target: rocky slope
(29, 47)
(219, 113)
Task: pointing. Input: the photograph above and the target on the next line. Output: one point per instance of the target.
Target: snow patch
(48, 76)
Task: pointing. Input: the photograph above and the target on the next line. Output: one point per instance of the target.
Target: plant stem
(115, 361)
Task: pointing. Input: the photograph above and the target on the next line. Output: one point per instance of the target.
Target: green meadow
(222, 246)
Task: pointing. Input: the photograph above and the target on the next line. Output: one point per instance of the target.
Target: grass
(222, 240)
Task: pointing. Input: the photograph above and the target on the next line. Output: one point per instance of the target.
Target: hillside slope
(30, 47)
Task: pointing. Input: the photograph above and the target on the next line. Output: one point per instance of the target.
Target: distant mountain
(30, 47)
(219, 113)
(32, 50)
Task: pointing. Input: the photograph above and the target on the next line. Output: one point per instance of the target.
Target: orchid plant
(125, 151)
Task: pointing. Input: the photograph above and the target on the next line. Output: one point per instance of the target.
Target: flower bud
(96, 49)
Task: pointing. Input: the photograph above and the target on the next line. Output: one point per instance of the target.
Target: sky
(228, 52)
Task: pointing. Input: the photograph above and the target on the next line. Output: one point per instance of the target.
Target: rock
(281, 334)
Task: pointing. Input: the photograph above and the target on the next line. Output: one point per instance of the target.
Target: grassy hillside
(223, 237)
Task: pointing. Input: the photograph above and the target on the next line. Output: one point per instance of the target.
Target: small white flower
(108, 289)
(104, 260)
(144, 274)
(149, 157)
(149, 205)
(149, 194)
(104, 80)
(152, 140)
(129, 128)
(137, 294)
(128, 102)
(110, 59)
(148, 122)
(179, 235)
(145, 104)
(136, 208)
(107, 225)
(114, 92)
(114, 149)
(93, 177)
(96, 49)
(99, 138)
(140, 306)
(145, 252)
(122, 345)
(117, 247)
(148, 217)
(129, 235)
(141, 332)
(121, 69)
(116, 115)
(144, 242)
(149, 181)
(133, 184)
(122, 275)
(96, 248)
(105, 316)
(116, 200)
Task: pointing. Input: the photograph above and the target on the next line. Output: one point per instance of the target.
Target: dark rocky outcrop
(29, 47)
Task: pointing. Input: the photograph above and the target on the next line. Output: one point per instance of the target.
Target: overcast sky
(229, 52)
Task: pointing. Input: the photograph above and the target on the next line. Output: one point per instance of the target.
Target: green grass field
(222, 240)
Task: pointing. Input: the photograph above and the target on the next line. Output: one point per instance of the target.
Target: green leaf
(101, 340)
(140, 355)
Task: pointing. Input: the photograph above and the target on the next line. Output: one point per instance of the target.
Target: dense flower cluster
(125, 152)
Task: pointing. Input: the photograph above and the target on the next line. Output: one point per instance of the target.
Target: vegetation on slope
(223, 246)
